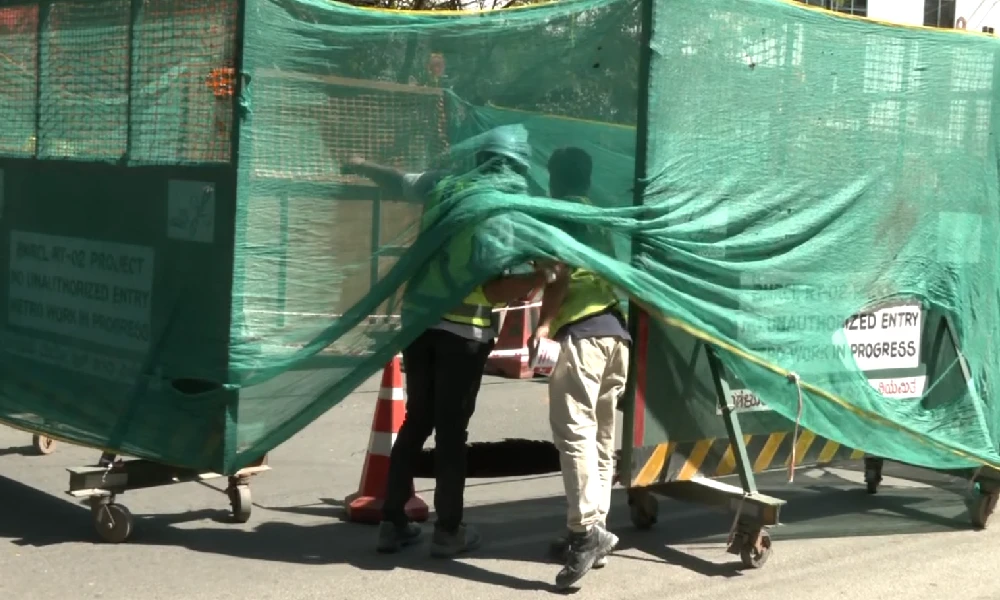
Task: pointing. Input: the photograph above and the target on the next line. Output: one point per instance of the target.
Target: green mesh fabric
(18, 66)
(319, 301)
(794, 168)
(848, 164)
(83, 104)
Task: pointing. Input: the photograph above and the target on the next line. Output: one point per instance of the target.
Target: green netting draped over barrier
(841, 164)
(796, 168)
(330, 82)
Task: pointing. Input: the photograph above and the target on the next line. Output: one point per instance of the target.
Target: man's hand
(541, 333)
(353, 164)
(551, 270)
(544, 274)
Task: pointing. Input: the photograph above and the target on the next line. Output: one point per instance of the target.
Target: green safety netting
(795, 168)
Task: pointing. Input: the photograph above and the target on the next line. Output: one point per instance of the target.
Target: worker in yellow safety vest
(444, 365)
(582, 313)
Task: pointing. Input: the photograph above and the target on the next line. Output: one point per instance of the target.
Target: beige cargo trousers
(584, 387)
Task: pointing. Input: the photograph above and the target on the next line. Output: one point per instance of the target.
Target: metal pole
(635, 313)
(44, 8)
(733, 430)
(134, 10)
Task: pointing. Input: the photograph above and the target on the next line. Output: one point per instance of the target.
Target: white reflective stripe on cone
(391, 394)
(380, 443)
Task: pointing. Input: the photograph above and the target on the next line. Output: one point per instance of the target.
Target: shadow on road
(34, 518)
(822, 508)
(19, 451)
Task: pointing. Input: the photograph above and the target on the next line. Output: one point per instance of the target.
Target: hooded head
(509, 143)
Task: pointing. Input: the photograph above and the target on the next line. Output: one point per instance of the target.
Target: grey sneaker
(559, 547)
(392, 538)
(448, 545)
(583, 551)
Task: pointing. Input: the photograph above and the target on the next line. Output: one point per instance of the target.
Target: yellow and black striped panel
(682, 461)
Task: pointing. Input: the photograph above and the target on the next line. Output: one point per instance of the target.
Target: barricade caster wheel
(754, 553)
(240, 501)
(113, 522)
(982, 507)
(643, 509)
(873, 474)
(43, 445)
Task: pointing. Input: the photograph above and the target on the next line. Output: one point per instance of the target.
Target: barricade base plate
(757, 508)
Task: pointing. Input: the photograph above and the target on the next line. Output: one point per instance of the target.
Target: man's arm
(504, 290)
(552, 299)
(390, 179)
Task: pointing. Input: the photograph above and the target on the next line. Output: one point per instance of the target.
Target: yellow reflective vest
(475, 309)
(588, 294)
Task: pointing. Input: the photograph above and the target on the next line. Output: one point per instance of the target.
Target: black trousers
(443, 375)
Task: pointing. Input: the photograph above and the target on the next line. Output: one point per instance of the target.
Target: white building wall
(977, 13)
(904, 12)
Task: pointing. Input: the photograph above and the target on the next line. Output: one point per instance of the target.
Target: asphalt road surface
(912, 540)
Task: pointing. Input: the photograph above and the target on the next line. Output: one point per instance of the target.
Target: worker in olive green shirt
(582, 313)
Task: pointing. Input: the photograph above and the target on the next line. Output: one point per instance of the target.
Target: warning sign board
(888, 338)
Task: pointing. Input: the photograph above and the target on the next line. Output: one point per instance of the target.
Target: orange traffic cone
(509, 357)
(365, 506)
